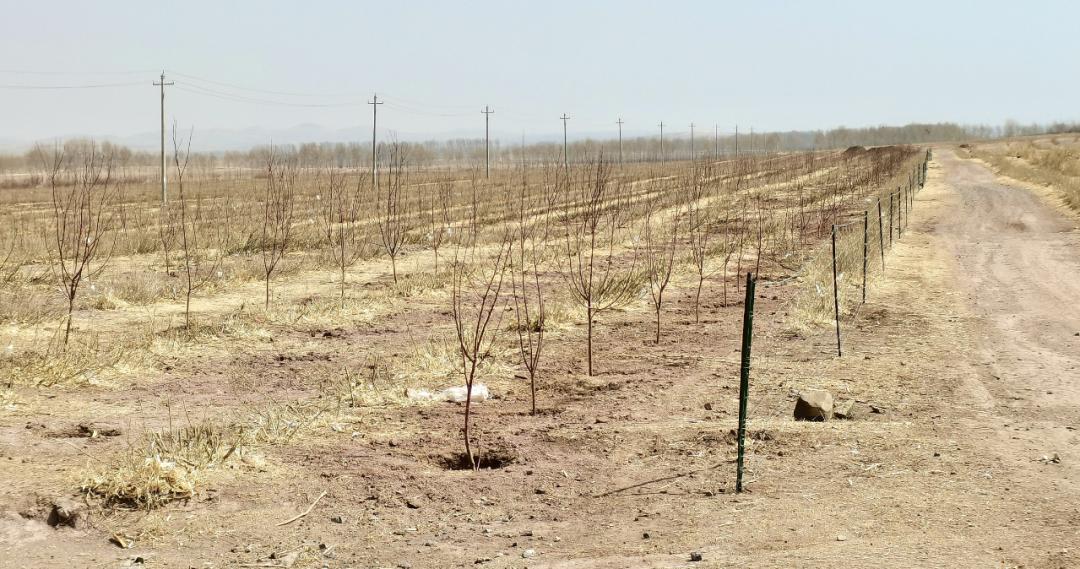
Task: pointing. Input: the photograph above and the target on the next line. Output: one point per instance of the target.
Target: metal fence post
(865, 249)
(744, 372)
(881, 235)
(836, 293)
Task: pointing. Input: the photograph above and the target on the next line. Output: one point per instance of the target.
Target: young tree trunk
(588, 340)
(71, 311)
(697, 301)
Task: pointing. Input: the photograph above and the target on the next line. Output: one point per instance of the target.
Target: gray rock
(528, 554)
(813, 405)
(696, 556)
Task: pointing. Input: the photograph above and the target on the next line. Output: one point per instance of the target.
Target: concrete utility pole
(663, 159)
(565, 157)
(164, 190)
(691, 142)
(374, 102)
(620, 123)
(487, 141)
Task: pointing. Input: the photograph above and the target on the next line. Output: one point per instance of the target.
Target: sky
(270, 66)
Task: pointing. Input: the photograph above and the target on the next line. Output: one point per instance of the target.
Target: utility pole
(487, 141)
(620, 123)
(163, 84)
(565, 157)
(663, 159)
(736, 142)
(691, 142)
(752, 140)
(716, 142)
(374, 102)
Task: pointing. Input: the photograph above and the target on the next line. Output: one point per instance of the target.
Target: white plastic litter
(419, 394)
(480, 393)
(457, 394)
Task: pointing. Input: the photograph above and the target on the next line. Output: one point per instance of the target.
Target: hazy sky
(773, 65)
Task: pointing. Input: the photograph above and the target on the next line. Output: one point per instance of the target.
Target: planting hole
(488, 460)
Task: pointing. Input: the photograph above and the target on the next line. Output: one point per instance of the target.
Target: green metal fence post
(744, 372)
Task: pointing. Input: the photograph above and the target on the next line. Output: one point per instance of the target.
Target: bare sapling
(82, 217)
(393, 205)
(278, 207)
(597, 278)
(341, 222)
(658, 256)
(439, 217)
(475, 301)
(168, 228)
(10, 264)
(698, 229)
(204, 244)
(529, 311)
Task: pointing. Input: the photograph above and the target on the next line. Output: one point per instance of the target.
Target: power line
(263, 91)
(200, 90)
(64, 87)
(36, 72)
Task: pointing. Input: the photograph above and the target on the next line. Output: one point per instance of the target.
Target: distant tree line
(470, 152)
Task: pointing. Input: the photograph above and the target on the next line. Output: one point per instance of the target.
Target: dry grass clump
(413, 285)
(8, 400)
(437, 364)
(168, 465)
(84, 361)
(330, 311)
(279, 423)
(1056, 165)
(29, 305)
(371, 386)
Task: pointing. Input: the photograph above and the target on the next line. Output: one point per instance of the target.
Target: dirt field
(962, 366)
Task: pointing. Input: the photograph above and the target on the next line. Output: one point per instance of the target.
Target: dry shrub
(168, 465)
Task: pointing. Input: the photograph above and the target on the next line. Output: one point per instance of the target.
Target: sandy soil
(966, 349)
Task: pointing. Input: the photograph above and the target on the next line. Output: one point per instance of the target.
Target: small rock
(404, 565)
(813, 405)
(645, 535)
(841, 537)
(844, 410)
(412, 504)
(696, 556)
(337, 519)
(289, 559)
(708, 406)
(877, 409)
(528, 554)
(66, 512)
